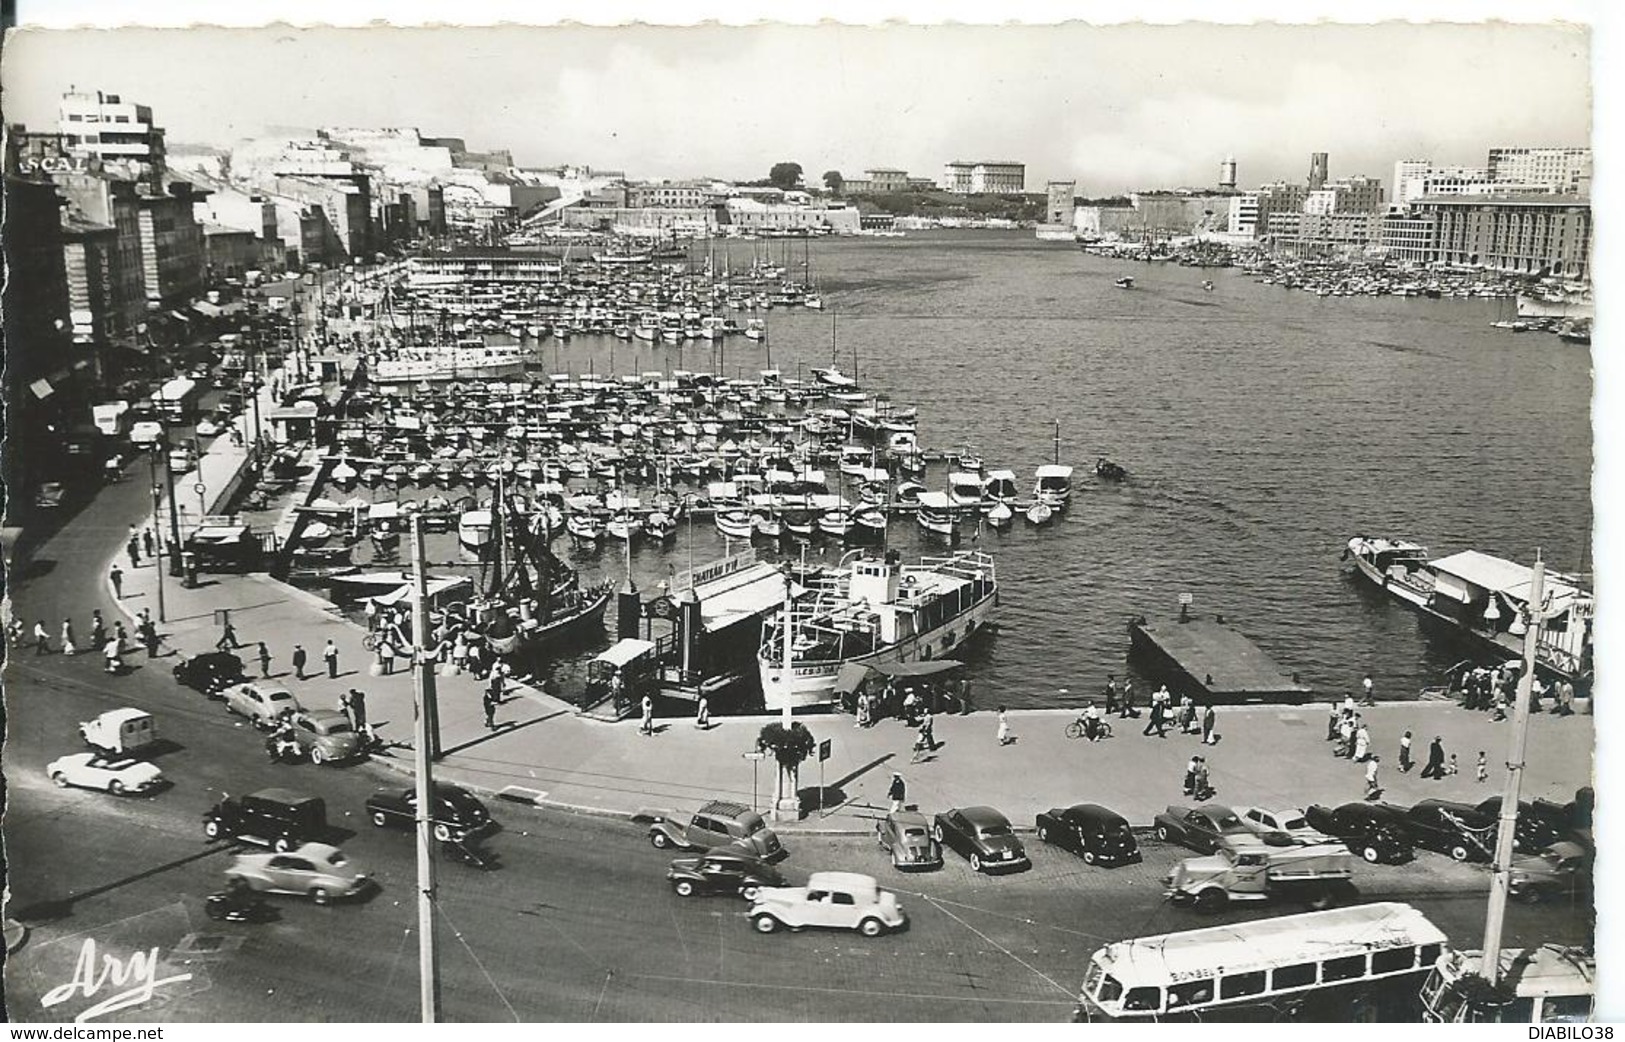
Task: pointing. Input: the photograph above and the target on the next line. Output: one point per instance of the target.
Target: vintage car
(1289, 820)
(837, 900)
(324, 735)
(1456, 829)
(210, 674)
(114, 774)
(982, 836)
(316, 870)
(458, 813)
(906, 836)
(275, 818)
(1561, 870)
(722, 872)
(263, 703)
(720, 823)
(1378, 832)
(1201, 828)
(1096, 834)
(120, 731)
(1540, 822)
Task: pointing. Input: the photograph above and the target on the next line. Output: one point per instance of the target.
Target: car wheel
(379, 818)
(442, 832)
(282, 845)
(1459, 852)
(1162, 833)
(936, 833)
(317, 757)
(1088, 857)
(60, 779)
(871, 927)
(1211, 900)
(750, 891)
(320, 895)
(765, 924)
(1043, 833)
(976, 862)
(115, 787)
(684, 887)
(212, 829)
(660, 840)
(1371, 853)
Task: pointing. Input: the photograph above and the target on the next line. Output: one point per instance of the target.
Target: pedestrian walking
(358, 709)
(495, 686)
(1373, 789)
(1111, 693)
(1405, 763)
(1127, 709)
(648, 725)
(149, 639)
(68, 646)
(132, 546)
(330, 655)
(115, 575)
(265, 660)
(1345, 736)
(1452, 767)
(1369, 698)
(1187, 714)
(1435, 765)
(702, 714)
(1190, 774)
(110, 656)
(1565, 698)
(228, 637)
(386, 656)
(897, 792)
(1203, 788)
(119, 634)
(1362, 744)
(1004, 726)
(928, 729)
(42, 639)
(1209, 718)
(146, 540)
(299, 661)
(98, 629)
(1482, 770)
(1333, 721)
(489, 701)
(459, 653)
(1154, 724)
(863, 711)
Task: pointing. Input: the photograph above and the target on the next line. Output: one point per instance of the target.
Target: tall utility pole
(1507, 832)
(423, 689)
(174, 515)
(157, 505)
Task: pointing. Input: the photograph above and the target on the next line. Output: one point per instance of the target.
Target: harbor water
(1260, 427)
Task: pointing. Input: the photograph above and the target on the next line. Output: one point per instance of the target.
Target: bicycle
(1074, 730)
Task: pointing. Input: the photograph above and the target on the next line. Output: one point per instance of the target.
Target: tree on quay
(785, 175)
(833, 181)
(790, 746)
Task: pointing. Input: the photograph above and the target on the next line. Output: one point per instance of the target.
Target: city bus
(177, 399)
(1551, 984)
(1364, 962)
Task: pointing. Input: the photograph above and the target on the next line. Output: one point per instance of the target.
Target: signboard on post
(823, 754)
(823, 749)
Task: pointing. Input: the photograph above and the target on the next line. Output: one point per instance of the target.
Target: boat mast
(1506, 834)
(1057, 442)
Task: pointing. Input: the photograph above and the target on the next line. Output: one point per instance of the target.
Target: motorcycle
(282, 750)
(228, 907)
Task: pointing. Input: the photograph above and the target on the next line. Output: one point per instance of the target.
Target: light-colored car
(182, 459)
(315, 870)
(117, 775)
(906, 836)
(1289, 820)
(208, 427)
(263, 704)
(324, 735)
(119, 731)
(836, 900)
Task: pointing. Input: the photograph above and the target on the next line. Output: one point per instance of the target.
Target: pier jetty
(1212, 662)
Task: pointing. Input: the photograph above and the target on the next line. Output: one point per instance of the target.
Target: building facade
(886, 179)
(171, 246)
(1566, 170)
(1059, 204)
(1531, 234)
(104, 126)
(1319, 165)
(976, 177)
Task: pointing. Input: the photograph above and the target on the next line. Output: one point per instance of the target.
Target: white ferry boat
(874, 611)
(465, 360)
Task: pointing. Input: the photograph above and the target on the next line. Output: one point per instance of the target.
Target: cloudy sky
(1114, 107)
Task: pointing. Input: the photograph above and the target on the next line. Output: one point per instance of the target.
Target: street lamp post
(174, 514)
(157, 503)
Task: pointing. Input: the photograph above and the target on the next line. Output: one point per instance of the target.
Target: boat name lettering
(713, 571)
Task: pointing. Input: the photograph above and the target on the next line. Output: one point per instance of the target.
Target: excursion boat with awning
(1486, 599)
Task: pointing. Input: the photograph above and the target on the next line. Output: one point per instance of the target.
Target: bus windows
(1187, 993)
(1140, 999)
(1300, 975)
(1241, 985)
(1349, 967)
(1393, 960)
(1565, 1009)
(1430, 954)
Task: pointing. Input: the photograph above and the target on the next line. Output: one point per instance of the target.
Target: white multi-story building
(107, 127)
(971, 177)
(1566, 170)
(1244, 214)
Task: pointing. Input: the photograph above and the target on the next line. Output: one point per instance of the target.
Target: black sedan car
(1540, 823)
(1201, 828)
(458, 812)
(722, 872)
(1457, 829)
(982, 836)
(209, 674)
(1378, 832)
(1097, 835)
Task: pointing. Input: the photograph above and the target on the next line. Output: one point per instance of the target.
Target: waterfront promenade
(543, 752)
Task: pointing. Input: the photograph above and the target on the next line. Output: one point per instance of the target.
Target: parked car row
(321, 735)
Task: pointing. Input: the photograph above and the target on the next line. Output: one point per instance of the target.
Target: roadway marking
(1059, 987)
